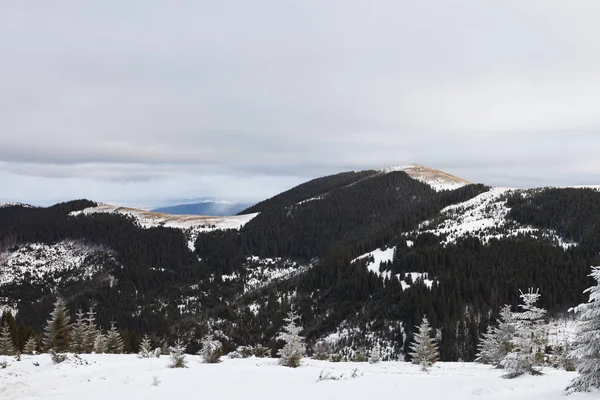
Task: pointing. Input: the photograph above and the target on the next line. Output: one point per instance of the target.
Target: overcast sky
(144, 102)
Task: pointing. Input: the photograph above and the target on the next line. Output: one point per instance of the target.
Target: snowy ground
(127, 377)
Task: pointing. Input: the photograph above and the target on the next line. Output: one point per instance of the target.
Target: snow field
(127, 377)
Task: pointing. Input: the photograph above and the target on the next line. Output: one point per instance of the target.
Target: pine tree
(375, 356)
(495, 343)
(100, 343)
(292, 352)
(78, 333)
(424, 349)
(530, 338)
(58, 331)
(30, 345)
(178, 355)
(211, 350)
(145, 348)
(586, 348)
(91, 331)
(6, 343)
(114, 342)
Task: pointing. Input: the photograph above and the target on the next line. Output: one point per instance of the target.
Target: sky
(150, 102)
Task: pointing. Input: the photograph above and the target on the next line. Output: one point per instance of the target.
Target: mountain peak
(438, 180)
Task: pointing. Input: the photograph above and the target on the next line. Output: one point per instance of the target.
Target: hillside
(213, 208)
(361, 255)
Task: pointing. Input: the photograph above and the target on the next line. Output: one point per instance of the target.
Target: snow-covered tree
(100, 343)
(586, 347)
(496, 343)
(529, 340)
(30, 345)
(424, 349)
(178, 355)
(78, 332)
(375, 356)
(114, 342)
(91, 331)
(6, 344)
(57, 333)
(211, 350)
(145, 348)
(292, 352)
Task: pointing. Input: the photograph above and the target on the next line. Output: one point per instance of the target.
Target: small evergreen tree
(495, 343)
(424, 349)
(292, 352)
(178, 355)
(30, 345)
(6, 343)
(145, 348)
(100, 343)
(211, 350)
(91, 331)
(58, 331)
(529, 340)
(375, 356)
(78, 333)
(114, 342)
(586, 348)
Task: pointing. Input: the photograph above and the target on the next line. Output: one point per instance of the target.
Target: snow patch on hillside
(192, 225)
(484, 216)
(38, 262)
(437, 179)
(3, 205)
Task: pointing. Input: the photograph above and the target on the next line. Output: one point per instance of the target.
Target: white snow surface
(127, 377)
(2, 205)
(482, 215)
(37, 261)
(192, 225)
(438, 180)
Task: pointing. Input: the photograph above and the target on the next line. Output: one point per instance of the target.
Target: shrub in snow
(3, 364)
(331, 375)
(114, 342)
(57, 333)
(234, 355)
(100, 343)
(586, 347)
(261, 351)
(178, 355)
(375, 356)
(30, 345)
(496, 342)
(157, 352)
(360, 355)
(57, 358)
(529, 340)
(145, 348)
(321, 356)
(211, 350)
(336, 358)
(292, 352)
(6, 344)
(424, 350)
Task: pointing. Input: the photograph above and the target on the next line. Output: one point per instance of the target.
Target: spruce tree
(78, 333)
(6, 343)
(30, 345)
(586, 348)
(114, 342)
(57, 333)
(91, 331)
(495, 343)
(100, 343)
(211, 350)
(375, 356)
(529, 340)
(178, 355)
(145, 348)
(292, 352)
(424, 349)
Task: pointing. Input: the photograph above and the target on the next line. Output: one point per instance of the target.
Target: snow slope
(127, 377)
(437, 179)
(191, 224)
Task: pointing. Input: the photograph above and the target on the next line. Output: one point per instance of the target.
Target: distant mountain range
(213, 208)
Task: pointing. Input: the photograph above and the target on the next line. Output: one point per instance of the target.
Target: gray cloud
(138, 102)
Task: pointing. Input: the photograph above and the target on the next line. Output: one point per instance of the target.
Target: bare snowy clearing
(437, 179)
(127, 377)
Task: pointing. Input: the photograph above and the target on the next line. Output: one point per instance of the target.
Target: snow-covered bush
(258, 351)
(145, 348)
(211, 350)
(586, 347)
(100, 343)
(292, 352)
(529, 340)
(114, 342)
(57, 358)
(424, 350)
(375, 356)
(30, 345)
(496, 342)
(178, 355)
